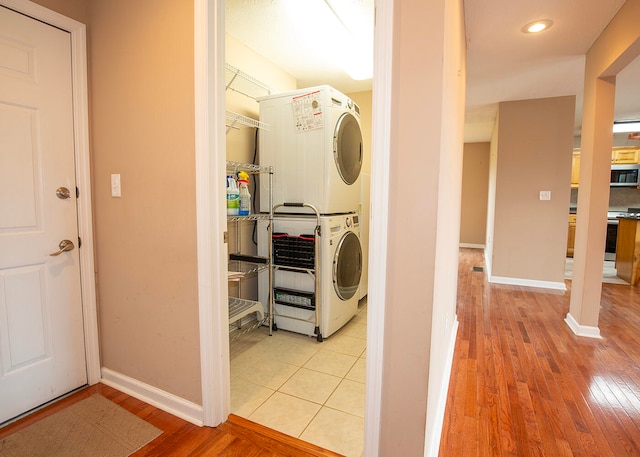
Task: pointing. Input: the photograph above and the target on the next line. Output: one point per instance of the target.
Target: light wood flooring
(523, 384)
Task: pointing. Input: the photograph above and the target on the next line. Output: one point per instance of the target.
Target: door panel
(20, 198)
(42, 352)
(24, 324)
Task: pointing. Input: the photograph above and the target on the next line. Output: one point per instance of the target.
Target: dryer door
(347, 148)
(347, 266)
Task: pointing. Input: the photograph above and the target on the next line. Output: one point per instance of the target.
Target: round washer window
(347, 148)
(347, 266)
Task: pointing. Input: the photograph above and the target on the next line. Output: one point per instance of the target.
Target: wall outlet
(545, 195)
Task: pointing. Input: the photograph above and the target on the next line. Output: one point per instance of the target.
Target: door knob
(64, 246)
(63, 193)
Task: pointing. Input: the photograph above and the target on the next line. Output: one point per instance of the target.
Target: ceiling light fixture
(626, 127)
(537, 26)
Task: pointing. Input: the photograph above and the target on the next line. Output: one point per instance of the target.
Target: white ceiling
(298, 45)
(502, 62)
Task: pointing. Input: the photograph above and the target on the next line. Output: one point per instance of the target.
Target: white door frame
(83, 173)
(211, 217)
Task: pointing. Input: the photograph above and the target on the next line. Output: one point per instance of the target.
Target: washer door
(347, 266)
(347, 148)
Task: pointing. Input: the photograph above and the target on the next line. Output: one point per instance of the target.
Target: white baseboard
(487, 262)
(433, 436)
(528, 283)
(471, 245)
(166, 401)
(582, 330)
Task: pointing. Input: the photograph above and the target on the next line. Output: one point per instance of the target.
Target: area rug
(92, 427)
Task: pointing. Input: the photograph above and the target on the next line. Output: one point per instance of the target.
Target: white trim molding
(487, 262)
(159, 398)
(528, 283)
(432, 444)
(77, 32)
(211, 221)
(582, 330)
(471, 245)
(380, 156)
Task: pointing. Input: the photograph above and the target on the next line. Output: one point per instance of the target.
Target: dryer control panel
(352, 221)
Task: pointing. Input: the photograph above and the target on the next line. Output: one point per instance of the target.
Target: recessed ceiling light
(537, 26)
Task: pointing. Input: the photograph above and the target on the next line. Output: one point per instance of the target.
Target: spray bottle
(233, 196)
(245, 196)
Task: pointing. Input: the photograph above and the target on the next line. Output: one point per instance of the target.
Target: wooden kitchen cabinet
(571, 237)
(628, 250)
(575, 168)
(619, 155)
(625, 154)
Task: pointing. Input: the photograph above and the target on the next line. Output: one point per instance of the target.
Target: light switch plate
(545, 195)
(116, 191)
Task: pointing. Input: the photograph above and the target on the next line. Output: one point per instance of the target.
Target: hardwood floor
(522, 384)
(237, 437)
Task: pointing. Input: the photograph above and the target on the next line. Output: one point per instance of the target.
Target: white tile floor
(609, 272)
(293, 384)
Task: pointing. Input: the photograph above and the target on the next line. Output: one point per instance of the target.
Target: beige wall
(75, 9)
(142, 127)
(443, 319)
(140, 57)
(491, 203)
(533, 155)
(616, 47)
(424, 206)
(475, 192)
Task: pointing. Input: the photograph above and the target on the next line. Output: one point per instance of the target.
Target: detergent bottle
(233, 196)
(245, 196)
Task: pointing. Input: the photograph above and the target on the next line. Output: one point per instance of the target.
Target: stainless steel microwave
(624, 175)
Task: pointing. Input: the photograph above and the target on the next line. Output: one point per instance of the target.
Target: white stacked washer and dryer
(314, 143)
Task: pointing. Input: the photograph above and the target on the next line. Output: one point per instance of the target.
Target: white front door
(42, 354)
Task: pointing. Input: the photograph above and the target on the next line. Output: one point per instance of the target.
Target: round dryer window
(347, 266)
(347, 148)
